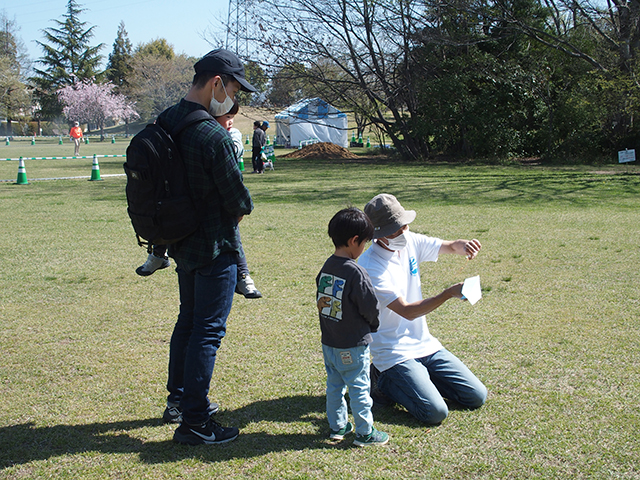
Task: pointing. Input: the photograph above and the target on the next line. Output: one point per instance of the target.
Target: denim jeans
(348, 367)
(420, 385)
(205, 302)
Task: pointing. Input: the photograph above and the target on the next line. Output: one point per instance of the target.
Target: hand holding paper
(471, 289)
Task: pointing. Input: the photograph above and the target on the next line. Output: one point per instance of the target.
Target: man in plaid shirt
(206, 260)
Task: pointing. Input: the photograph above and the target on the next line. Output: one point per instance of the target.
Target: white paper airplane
(471, 289)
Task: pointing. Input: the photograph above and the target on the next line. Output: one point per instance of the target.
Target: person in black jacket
(258, 143)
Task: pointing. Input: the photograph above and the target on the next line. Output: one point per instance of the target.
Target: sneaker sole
(337, 436)
(195, 440)
(146, 273)
(358, 443)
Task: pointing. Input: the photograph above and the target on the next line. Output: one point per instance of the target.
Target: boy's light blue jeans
(420, 385)
(348, 367)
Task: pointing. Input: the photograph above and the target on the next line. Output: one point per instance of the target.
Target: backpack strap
(191, 118)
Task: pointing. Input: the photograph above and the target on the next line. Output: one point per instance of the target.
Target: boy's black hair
(348, 223)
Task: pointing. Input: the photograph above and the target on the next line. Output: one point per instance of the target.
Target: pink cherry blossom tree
(94, 103)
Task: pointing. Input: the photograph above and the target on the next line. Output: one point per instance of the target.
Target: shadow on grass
(25, 443)
(326, 181)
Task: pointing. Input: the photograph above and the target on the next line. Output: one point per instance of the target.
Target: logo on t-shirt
(329, 300)
(413, 266)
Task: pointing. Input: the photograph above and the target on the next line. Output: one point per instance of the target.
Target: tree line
(472, 78)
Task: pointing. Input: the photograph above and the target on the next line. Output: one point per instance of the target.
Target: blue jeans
(348, 367)
(420, 385)
(205, 302)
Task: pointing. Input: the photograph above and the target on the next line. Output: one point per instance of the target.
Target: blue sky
(182, 23)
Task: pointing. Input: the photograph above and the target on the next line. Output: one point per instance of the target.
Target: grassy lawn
(84, 340)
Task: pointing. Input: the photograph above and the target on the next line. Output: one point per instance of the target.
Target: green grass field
(84, 340)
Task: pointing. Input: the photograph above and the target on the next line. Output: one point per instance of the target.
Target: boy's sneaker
(339, 434)
(376, 437)
(152, 264)
(174, 414)
(209, 433)
(246, 287)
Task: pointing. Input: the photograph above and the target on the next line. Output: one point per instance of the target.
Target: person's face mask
(216, 108)
(397, 243)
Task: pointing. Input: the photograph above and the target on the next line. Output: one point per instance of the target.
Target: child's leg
(160, 251)
(357, 378)
(245, 285)
(243, 268)
(336, 388)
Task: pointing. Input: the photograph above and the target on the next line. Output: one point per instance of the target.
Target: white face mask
(217, 109)
(397, 243)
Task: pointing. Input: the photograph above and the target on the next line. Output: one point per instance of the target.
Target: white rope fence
(95, 171)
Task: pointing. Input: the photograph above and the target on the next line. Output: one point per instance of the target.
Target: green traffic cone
(33, 141)
(8, 142)
(22, 174)
(113, 139)
(241, 164)
(95, 170)
(60, 140)
(368, 143)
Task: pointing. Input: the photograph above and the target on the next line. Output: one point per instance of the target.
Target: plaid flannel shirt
(216, 186)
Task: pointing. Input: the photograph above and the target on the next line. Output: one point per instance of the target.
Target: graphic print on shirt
(413, 266)
(330, 289)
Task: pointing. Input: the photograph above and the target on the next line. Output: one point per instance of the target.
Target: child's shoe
(152, 264)
(339, 434)
(376, 437)
(246, 287)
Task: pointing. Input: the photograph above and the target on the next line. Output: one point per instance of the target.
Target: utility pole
(237, 24)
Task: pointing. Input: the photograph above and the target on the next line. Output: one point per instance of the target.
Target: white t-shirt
(237, 140)
(394, 275)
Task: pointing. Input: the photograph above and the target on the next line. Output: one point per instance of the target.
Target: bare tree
(356, 53)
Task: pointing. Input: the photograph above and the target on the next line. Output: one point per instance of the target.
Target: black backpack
(159, 202)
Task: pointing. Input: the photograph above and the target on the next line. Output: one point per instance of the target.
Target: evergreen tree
(159, 48)
(119, 68)
(68, 57)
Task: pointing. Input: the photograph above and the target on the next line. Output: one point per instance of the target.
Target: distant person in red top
(76, 136)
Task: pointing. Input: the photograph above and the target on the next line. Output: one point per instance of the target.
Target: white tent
(308, 119)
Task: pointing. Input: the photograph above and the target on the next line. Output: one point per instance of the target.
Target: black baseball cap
(223, 61)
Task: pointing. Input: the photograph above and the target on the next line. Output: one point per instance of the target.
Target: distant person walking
(259, 141)
(76, 135)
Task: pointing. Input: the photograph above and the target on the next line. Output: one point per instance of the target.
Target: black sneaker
(174, 414)
(209, 433)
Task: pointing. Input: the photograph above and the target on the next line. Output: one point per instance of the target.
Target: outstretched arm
(468, 248)
(413, 310)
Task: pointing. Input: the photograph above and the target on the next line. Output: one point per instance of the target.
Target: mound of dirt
(322, 150)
